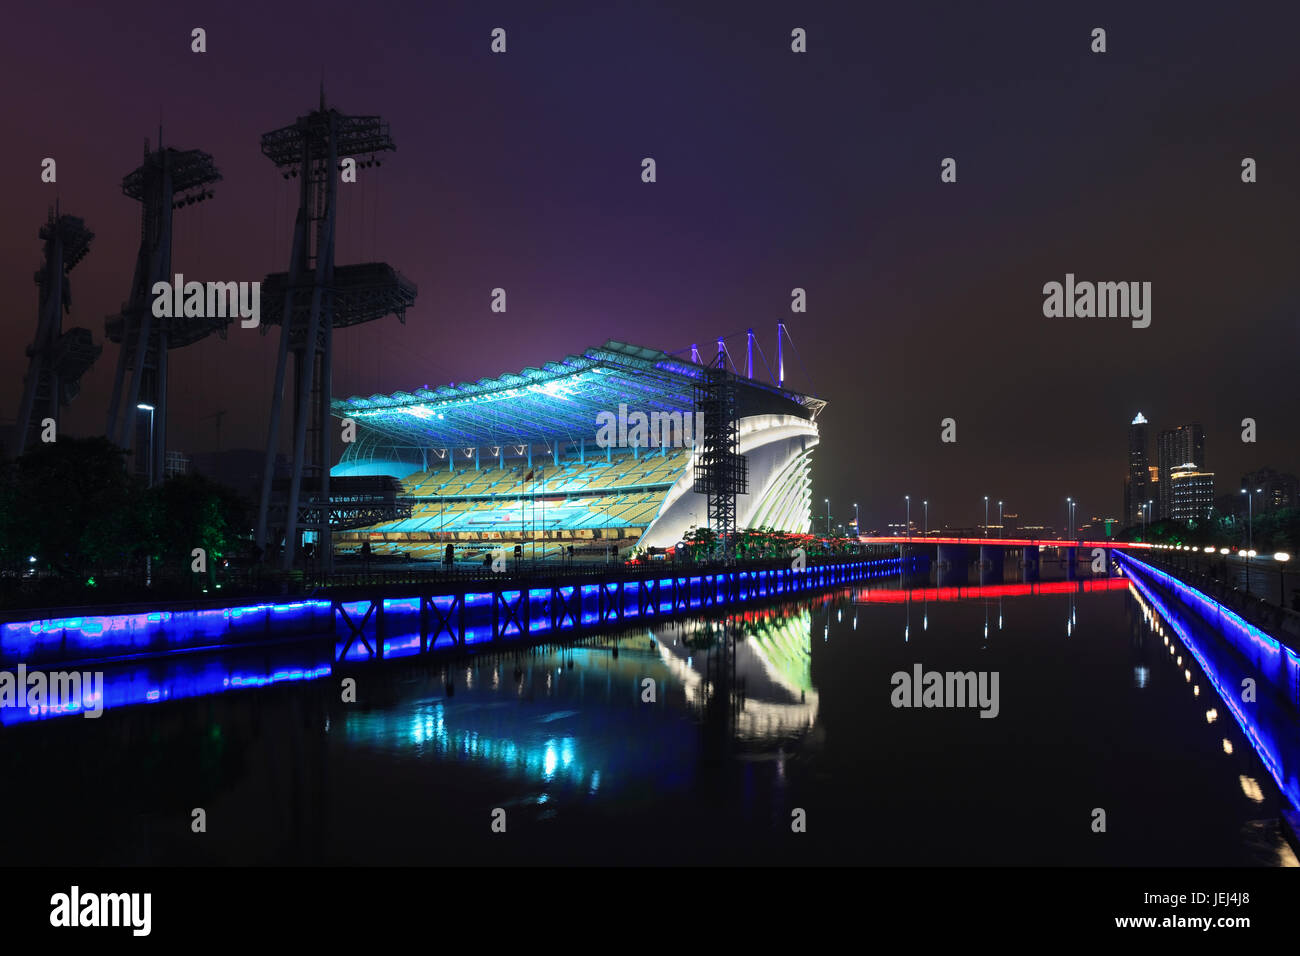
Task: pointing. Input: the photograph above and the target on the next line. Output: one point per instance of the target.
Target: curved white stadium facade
(778, 449)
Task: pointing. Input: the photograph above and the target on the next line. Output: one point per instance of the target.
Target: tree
(71, 505)
(192, 511)
(700, 543)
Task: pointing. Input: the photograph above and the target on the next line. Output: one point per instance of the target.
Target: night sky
(775, 170)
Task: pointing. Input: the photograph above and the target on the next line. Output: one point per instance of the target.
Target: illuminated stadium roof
(560, 400)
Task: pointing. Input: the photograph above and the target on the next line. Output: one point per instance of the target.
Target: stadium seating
(587, 501)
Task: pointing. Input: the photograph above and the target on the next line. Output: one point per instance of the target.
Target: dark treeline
(1268, 532)
(76, 527)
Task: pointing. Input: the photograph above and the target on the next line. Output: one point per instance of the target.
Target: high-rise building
(1139, 476)
(1276, 490)
(1175, 447)
(1192, 492)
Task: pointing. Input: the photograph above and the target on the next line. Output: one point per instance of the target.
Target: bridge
(954, 555)
(1002, 542)
(418, 614)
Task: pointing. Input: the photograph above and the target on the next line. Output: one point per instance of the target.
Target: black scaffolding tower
(56, 359)
(308, 302)
(721, 472)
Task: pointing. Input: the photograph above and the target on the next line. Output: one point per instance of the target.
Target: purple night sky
(775, 170)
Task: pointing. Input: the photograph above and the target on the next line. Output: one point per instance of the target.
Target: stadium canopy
(559, 401)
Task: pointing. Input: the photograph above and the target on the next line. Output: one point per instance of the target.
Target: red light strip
(1015, 542)
(900, 596)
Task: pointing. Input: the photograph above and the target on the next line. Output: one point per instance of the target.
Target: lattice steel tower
(144, 338)
(308, 303)
(721, 472)
(58, 359)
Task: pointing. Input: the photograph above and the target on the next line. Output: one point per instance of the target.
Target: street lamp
(925, 528)
(828, 517)
(148, 560)
(986, 516)
(1250, 530)
(1000, 531)
(857, 525)
(907, 528)
(1250, 516)
(146, 407)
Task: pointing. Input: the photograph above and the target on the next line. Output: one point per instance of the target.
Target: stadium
(522, 459)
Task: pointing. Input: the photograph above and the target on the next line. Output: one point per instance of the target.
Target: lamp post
(145, 407)
(1068, 510)
(1250, 530)
(857, 525)
(1001, 533)
(148, 559)
(925, 528)
(986, 516)
(828, 517)
(907, 528)
(1250, 517)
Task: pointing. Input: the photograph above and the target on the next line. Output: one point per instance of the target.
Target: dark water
(790, 713)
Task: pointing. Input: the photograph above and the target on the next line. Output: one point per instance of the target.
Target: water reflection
(764, 659)
(1271, 730)
(701, 734)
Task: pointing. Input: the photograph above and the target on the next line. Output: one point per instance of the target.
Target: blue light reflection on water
(158, 632)
(90, 636)
(1268, 654)
(179, 678)
(1263, 739)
